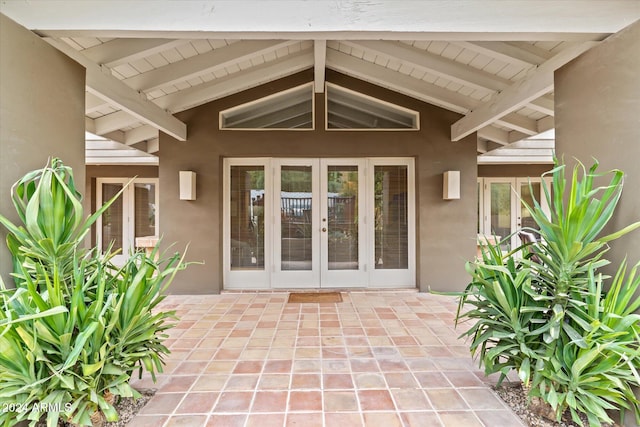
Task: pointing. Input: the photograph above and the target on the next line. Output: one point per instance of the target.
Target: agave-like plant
(548, 316)
(76, 327)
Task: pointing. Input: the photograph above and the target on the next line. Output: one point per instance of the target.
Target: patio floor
(389, 358)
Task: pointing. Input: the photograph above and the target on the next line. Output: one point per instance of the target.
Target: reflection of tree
(345, 183)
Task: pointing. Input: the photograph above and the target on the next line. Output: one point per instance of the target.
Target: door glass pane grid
(296, 212)
(342, 217)
(145, 209)
(112, 225)
(390, 217)
(247, 217)
(501, 212)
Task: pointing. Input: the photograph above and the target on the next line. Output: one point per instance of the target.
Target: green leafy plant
(75, 328)
(542, 309)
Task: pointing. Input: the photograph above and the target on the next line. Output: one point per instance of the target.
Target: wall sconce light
(187, 185)
(451, 185)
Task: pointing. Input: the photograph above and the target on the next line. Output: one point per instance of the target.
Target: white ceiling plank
(92, 103)
(208, 62)
(141, 133)
(114, 121)
(494, 134)
(236, 82)
(320, 61)
(549, 144)
(435, 64)
(132, 161)
(536, 84)
(489, 159)
(113, 153)
(124, 50)
(390, 79)
(298, 18)
(108, 87)
(542, 105)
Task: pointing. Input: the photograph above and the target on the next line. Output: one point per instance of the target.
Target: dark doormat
(315, 297)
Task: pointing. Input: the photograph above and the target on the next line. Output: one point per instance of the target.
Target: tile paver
(387, 358)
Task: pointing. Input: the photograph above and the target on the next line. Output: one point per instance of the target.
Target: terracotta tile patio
(389, 358)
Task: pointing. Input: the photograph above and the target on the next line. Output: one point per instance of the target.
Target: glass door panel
(296, 213)
(247, 217)
(500, 218)
(145, 209)
(391, 217)
(525, 218)
(342, 218)
(113, 219)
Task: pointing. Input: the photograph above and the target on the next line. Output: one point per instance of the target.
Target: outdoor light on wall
(451, 185)
(187, 185)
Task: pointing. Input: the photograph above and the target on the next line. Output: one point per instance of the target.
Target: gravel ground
(127, 408)
(514, 396)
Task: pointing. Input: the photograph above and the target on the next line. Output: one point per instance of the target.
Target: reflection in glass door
(504, 212)
(342, 234)
(132, 215)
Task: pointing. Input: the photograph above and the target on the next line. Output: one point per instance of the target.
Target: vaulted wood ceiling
(492, 61)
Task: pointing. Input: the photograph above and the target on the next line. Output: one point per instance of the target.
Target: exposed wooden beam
(114, 121)
(108, 87)
(518, 123)
(546, 124)
(123, 50)
(434, 64)
(536, 84)
(320, 61)
(504, 52)
(482, 146)
(494, 134)
(298, 18)
(208, 62)
(141, 133)
(153, 145)
(236, 82)
(544, 105)
(89, 125)
(404, 84)
(93, 103)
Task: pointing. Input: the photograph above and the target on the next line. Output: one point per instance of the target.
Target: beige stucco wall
(598, 115)
(41, 114)
(446, 229)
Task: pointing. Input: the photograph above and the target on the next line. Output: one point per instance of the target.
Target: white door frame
(272, 275)
(516, 207)
(128, 213)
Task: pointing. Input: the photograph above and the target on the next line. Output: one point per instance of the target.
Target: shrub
(573, 345)
(76, 327)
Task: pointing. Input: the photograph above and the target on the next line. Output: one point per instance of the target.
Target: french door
(133, 215)
(502, 209)
(319, 223)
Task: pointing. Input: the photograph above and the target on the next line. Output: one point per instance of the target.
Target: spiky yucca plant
(548, 316)
(75, 328)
